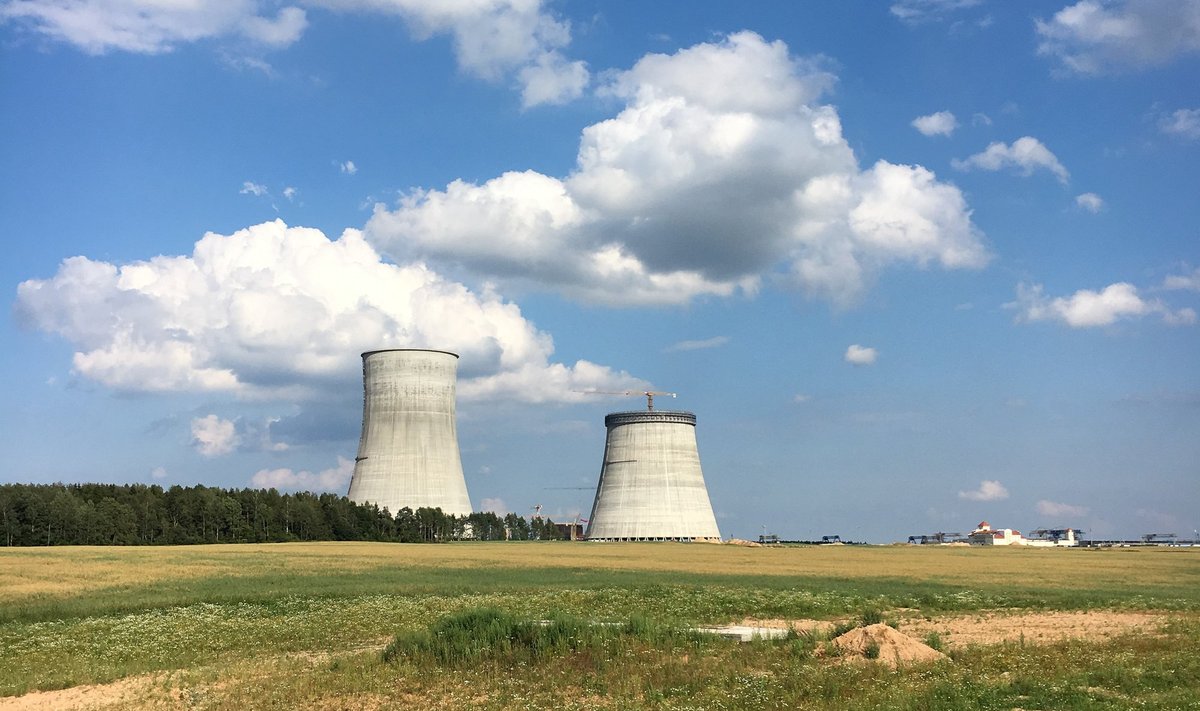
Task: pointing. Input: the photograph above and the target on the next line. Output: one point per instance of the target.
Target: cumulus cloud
(989, 490)
(714, 342)
(492, 40)
(153, 27)
(720, 168)
(861, 355)
(273, 311)
(1189, 282)
(552, 79)
(1090, 201)
(213, 436)
(335, 479)
(941, 123)
(1089, 309)
(1052, 508)
(1092, 37)
(1182, 123)
(348, 167)
(158, 473)
(1026, 154)
(289, 193)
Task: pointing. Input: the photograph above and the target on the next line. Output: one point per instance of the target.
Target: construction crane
(648, 393)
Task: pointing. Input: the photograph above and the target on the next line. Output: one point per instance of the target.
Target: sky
(912, 264)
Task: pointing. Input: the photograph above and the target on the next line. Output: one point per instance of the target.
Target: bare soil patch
(1032, 627)
(133, 692)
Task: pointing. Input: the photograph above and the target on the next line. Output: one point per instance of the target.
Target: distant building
(985, 535)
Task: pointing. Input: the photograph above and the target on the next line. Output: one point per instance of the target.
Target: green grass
(308, 625)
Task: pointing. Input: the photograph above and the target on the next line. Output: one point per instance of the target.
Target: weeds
(490, 633)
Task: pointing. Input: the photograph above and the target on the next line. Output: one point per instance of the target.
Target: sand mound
(894, 648)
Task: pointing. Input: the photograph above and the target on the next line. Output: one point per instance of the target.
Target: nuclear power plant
(408, 451)
(651, 487)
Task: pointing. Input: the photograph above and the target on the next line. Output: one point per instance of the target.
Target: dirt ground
(982, 628)
(985, 628)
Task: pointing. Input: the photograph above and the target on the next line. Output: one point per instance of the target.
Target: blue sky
(912, 265)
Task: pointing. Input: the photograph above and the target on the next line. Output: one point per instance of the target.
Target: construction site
(650, 485)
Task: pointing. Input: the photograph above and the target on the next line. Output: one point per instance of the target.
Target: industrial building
(651, 486)
(985, 535)
(408, 452)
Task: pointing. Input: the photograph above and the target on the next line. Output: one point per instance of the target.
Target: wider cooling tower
(408, 453)
(651, 487)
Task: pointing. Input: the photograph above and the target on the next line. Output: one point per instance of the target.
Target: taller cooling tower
(408, 452)
(651, 487)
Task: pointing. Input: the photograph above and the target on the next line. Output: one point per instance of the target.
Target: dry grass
(68, 571)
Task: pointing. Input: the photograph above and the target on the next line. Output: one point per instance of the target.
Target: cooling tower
(651, 486)
(408, 452)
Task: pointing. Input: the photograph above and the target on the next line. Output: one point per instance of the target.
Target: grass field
(306, 625)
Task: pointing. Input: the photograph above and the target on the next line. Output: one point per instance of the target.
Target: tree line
(140, 514)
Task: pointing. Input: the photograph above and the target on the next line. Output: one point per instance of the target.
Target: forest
(140, 514)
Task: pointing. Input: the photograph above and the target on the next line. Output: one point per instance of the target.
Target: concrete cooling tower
(408, 452)
(651, 487)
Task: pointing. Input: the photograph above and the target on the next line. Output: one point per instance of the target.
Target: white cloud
(496, 506)
(158, 473)
(1052, 508)
(1026, 154)
(1189, 282)
(1089, 309)
(989, 490)
(493, 39)
(981, 119)
(714, 342)
(153, 26)
(941, 123)
(861, 355)
(1092, 37)
(1090, 201)
(255, 189)
(335, 479)
(916, 12)
(720, 168)
(283, 312)
(213, 436)
(348, 167)
(801, 398)
(289, 193)
(552, 79)
(1182, 123)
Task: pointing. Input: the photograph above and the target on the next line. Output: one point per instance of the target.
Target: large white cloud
(1026, 154)
(278, 311)
(1089, 309)
(154, 26)
(493, 39)
(1093, 37)
(720, 168)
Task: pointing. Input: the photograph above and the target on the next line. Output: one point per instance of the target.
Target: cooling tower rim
(417, 350)
(614, 419)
